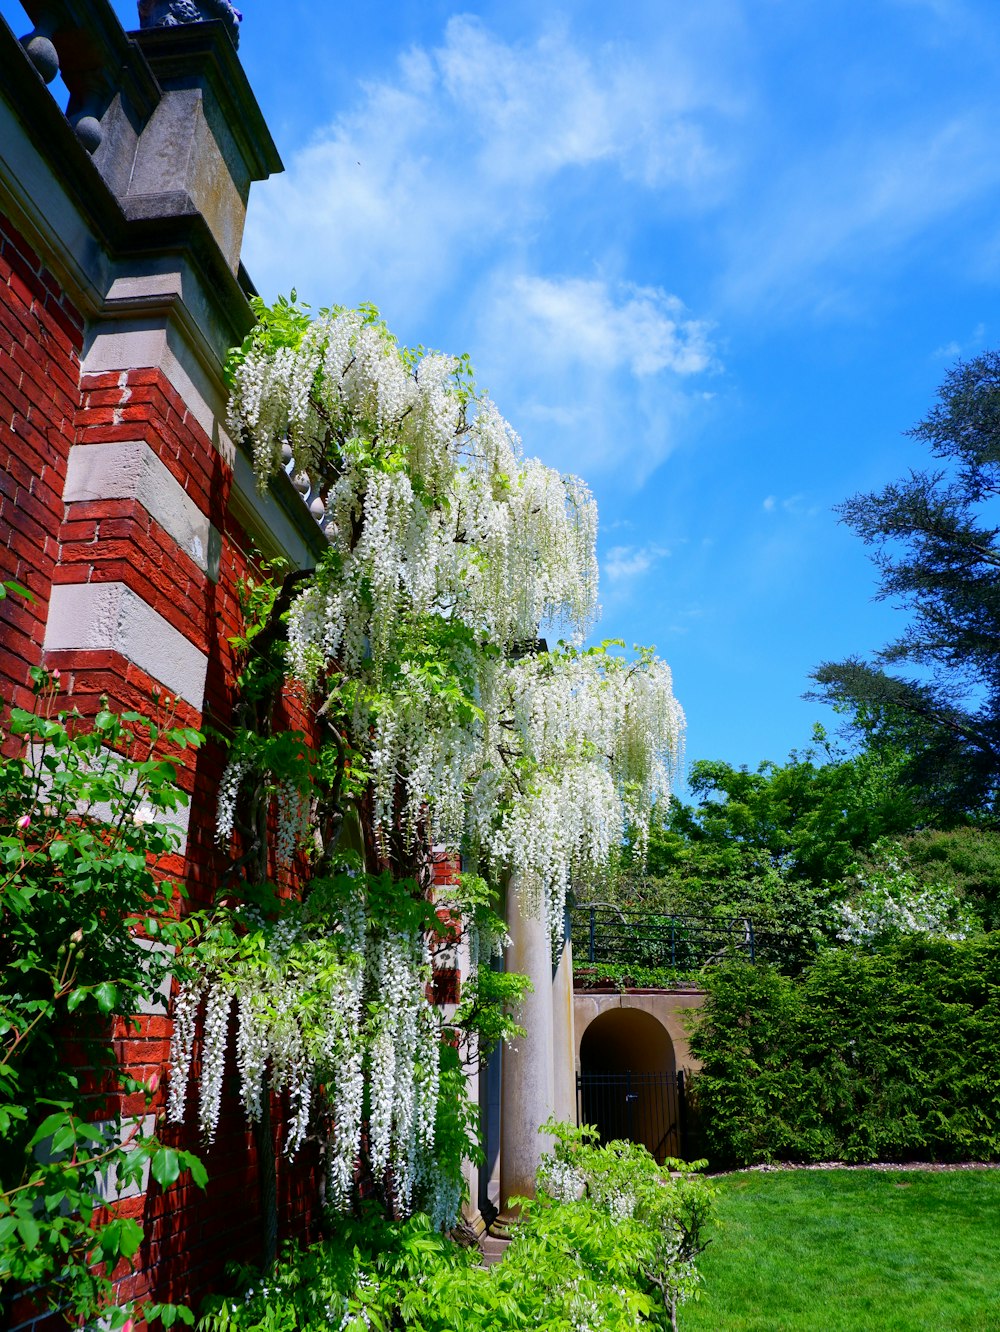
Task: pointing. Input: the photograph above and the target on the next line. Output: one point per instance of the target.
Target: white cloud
(627, 562)
(457, 152)
(646, 330)
(951, 351)
(593, 372)
(796, 505)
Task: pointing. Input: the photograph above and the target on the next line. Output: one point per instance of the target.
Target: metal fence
(606, 935)
(648, 1108)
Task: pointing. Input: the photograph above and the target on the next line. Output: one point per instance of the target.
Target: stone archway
(628, 1083)
(630, 1048)
(626, 1038)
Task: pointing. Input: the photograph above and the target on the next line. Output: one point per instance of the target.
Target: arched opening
(627, 1086)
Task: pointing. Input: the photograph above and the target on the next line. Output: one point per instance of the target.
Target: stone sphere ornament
(43, 55)
(90, 133)
(172, 13)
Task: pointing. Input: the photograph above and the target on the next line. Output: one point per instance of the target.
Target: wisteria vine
(448, 551)
(328, 1005)
(447, 722)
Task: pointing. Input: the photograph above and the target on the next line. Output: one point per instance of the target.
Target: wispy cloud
(622, 563)
(456, 152)
(594, 372)
(797, 505)
(951, 351)
(855, 210)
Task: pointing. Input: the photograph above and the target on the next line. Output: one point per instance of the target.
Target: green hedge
(862, 1057)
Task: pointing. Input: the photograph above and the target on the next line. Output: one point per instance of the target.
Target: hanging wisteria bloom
(418, 639)
(342, 1010)
(448, 551)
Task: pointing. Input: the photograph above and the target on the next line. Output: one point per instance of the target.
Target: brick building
(124, 506)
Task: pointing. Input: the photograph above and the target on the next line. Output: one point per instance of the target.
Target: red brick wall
(41, 335)
(190, 1235)
(45, 407)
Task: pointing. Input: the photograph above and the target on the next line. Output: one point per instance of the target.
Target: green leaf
(106, 995)
(131, 1237)
(166, 1167)
(63, 1139)
(10, 585)
(28, 1228)
(49, 1125)
(198, 1172)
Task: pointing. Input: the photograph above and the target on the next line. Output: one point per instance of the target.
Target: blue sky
(715, 257)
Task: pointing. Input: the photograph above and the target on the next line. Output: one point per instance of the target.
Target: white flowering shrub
(428, 505)
(328, 1005)
(440, 718)
(448, 550)
(890, 902)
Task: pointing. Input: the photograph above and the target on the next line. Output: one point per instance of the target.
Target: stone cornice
(124, 239)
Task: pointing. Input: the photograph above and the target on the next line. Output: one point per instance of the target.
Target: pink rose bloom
(24, 821)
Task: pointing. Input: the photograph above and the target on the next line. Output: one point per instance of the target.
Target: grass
(853, 1251)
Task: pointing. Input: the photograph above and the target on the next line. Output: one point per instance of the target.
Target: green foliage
(776, 845)
(282, 324)
(937, 549)
(888, 900)
(804, 820)
(82, 815)
(609, 1244)
(967, 859)
(602, 975)
(863, 1057)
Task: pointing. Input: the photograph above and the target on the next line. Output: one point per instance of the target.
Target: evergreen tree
(936, 690)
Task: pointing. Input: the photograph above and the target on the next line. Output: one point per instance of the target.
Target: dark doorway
(628, 1086)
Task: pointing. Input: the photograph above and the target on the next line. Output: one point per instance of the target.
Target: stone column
(564, 1034)
(528, 1087)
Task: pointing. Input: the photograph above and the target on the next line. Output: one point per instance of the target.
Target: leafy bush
(610, 1243)
(79, 815)
(610, 975)
(862, 1057)
(889, 900)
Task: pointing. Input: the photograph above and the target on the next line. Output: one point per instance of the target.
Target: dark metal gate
(648, 1108)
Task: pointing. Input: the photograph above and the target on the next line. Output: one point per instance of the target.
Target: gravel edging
(854, 1165)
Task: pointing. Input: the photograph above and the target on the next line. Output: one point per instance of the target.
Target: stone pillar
(563, 1033)
(528, 1087)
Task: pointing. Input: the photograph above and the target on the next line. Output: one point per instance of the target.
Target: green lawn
(853, 1251)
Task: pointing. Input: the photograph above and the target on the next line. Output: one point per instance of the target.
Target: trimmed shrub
(862, 1057)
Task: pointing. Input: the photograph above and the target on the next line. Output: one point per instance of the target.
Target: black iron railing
(610, 937)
